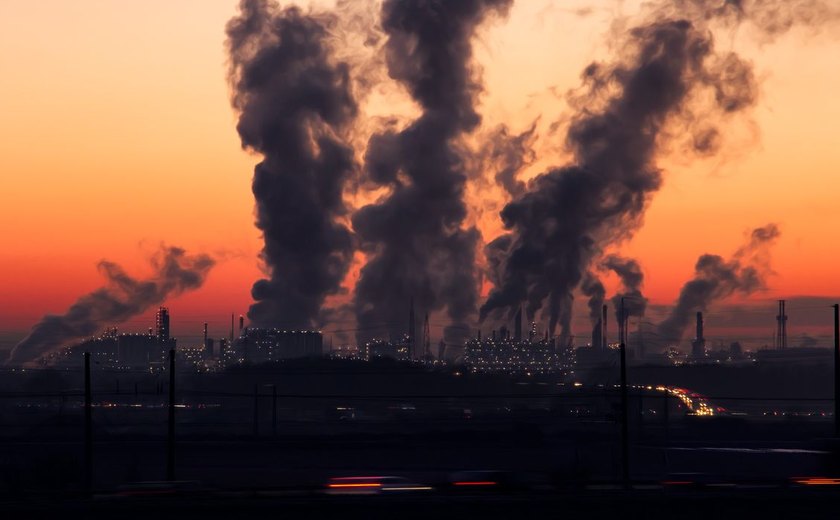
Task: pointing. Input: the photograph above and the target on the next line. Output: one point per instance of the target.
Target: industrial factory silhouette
(498, 258)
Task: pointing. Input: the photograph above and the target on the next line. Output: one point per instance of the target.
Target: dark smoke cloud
(568, 215)
(295, 103)
(122, 298)
(415, 239)
(508, 154)
(631, 276)
(716, 278)
(592, 287)
(771, 18)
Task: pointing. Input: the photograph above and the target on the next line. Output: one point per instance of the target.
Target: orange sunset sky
(116, 134)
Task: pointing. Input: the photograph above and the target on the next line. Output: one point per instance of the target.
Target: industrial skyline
(34, 287)
(419, 258)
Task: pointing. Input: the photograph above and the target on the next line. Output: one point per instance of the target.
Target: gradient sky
(117, 134)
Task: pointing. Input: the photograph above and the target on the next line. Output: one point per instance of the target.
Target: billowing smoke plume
(415, 239)
(770, 18)
(295, 106)
(631, 276)
(592, 287)
(509, 154)
(570, 214)
(122, 298)
(716, 278)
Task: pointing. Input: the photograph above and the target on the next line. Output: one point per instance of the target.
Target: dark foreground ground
(613, 505)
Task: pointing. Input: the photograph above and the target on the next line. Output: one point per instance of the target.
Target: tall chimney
(700, 325)
(781, 327)
(412, 353)
(231, 328)
(205, 335)
(604, 321)
(427, 335)
(517, 325)
(241, 323)
(698, 346)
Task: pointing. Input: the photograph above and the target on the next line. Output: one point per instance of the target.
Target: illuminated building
(227, 355)
(117, 351)
(504, 354)
(258, 345)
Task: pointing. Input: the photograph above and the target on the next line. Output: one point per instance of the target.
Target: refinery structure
(503, 351)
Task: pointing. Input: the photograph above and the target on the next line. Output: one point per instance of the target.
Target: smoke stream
(716, 278)
(631, 276)
(295, 105)
(415, 238)
(592, 287)
(122, 298)
(667, 81)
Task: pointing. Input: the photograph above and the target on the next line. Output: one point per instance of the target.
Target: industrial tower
(698, 346)
(426, 338)
(412, 344)
(781, 327)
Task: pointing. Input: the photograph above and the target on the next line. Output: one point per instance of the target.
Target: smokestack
(427, 338)
(604, 320)
(441, 350)
(781, 327)
(231, 328)
(517, 325)
(700, 326)
(698, 347)
(412, 342)
(241, 323)
(205, 335)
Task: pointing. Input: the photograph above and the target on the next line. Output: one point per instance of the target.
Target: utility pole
(88, 429)
(170, 444)
(625, 433)
(837, 370)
